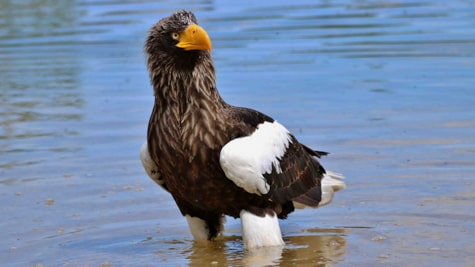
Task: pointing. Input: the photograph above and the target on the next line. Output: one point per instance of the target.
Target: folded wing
(272, 163)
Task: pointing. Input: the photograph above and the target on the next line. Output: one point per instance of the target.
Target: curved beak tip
(194, 38)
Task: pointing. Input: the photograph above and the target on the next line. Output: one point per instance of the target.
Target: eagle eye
(175, 35)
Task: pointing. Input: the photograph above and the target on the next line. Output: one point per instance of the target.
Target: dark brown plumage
(190, 124)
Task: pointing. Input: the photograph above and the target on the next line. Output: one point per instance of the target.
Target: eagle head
(177, 34)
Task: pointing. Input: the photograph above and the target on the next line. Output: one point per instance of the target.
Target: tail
(331, 183)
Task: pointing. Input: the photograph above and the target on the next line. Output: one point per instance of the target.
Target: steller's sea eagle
(216, 159)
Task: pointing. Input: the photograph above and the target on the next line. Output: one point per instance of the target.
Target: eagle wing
(269, 161)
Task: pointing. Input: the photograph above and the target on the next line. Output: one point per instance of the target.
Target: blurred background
(386, 86)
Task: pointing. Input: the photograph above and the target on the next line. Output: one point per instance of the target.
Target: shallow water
(386, 87)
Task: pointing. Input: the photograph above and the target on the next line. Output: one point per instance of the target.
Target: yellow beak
(194, 38)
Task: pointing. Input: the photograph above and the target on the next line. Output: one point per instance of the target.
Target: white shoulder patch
(244, 160)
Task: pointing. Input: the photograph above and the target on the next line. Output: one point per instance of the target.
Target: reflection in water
(300, 250)
(266, 256)
(316, 250)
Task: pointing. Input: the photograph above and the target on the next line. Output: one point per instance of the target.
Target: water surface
(386, 87)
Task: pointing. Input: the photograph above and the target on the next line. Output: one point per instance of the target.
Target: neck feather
(183, 79)
(188, 107)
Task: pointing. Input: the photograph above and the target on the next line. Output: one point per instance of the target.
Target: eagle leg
(205, 229)
(260, 231)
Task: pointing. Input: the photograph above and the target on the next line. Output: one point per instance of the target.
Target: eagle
(216, 159)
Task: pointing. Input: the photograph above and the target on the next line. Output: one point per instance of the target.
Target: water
(386, 87)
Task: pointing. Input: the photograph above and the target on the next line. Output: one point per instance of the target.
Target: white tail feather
(331, 183)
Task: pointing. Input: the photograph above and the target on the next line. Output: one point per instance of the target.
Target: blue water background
(388, 87)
